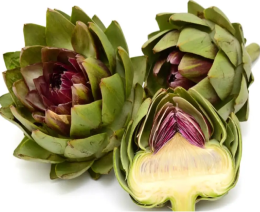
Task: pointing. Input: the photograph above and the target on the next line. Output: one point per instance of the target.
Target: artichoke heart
(180, 172)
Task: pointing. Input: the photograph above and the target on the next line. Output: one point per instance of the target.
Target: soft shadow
(33, 172)
(107, 180)
(224, 201)
(67, 186)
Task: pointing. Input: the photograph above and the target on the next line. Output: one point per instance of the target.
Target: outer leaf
(104, 164)
(167, 41)
(109, 50)
(69, 170)
(197, 42)
(116, 36)
(63, 13)
(12, 60)
(52, 144)
(119, 175)
(30, 55)
(21, 90)
(195, 9)
(85, 118)
(6, 100)
(82, 40)
(113, 98)
(140, 66)
(149, 45)
(90, 147)
(29, 150)
(23, 119)
(96, 71)
(79, 15)
(58, 30)
(129, 72)
(125, 161)
(10, 77)
(229, 44)
(243, 95)
(253, 50)
(163, 21)
(217, 16)
(221, 75)
(34, 35)
(219, 133)
(99, 23)
(187, 18)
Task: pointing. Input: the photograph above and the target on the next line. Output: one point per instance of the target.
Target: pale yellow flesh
(180, 172)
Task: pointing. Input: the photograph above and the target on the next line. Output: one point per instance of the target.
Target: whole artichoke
(178, 149)
(204, 51)
(72, 90)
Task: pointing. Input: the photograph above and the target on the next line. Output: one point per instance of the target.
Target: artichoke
(202, 50)
(178, 149)
(72, 91)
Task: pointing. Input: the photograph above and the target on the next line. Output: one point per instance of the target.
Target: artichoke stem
(183, 203)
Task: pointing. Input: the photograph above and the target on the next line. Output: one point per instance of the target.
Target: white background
(25, 186)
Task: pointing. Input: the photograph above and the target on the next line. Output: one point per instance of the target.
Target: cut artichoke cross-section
(180, 172)
(179, 151)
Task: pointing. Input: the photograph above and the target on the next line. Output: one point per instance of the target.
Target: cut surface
(180, 172)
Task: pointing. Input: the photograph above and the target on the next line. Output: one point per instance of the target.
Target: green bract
(178, 149)
(72, 91)
(203, 51)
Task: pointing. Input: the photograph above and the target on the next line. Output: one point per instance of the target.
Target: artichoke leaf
(167, 41)
(59, 30)
(82, 41)
(34, 35)
(116, 36)
(103, 165)
(99, 23)
(10, 77)
(195, 41)
(90, 147)
(129, 71)
(113, 98)
(114, 140)
(195, 9)
(254, 51)
(31, 55)
(71, 170)
(163, 21)
(65, 15)
(52, 144)
(94, 175)
(221, 75)
(12, 60)
(79, 15)
(108, 48)
(215, 15)
(29, 150)
(84, 118)
(6, 100)
(187, 18)
(220, 133)
(96, 71)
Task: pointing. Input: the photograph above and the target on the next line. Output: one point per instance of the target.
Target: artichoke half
(178, 149)
(72, 91)
(202, 50)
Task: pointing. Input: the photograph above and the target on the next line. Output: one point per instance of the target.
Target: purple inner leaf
(171, 120)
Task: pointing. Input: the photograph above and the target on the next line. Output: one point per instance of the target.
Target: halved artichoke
(72, 91)
(204, 51)
(178, 149)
